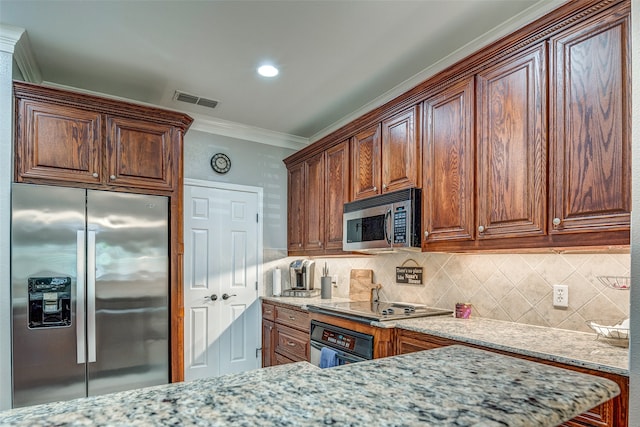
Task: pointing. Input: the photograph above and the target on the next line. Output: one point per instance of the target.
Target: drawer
(294, 318)
(268, 311)
(292, 343)
(281, 360)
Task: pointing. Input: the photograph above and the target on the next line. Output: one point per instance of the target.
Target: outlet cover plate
(560, 295)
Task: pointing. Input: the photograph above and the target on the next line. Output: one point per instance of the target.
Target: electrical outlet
(334, 280)
(560, 296)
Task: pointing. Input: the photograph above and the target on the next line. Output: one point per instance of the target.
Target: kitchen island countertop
(449, 386)
(558, 345)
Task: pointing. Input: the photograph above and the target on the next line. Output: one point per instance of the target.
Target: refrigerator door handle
(80, 299)
(91, 295)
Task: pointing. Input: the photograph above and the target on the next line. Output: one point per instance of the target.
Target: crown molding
(248, 133)
(527, 16)
(14, 40)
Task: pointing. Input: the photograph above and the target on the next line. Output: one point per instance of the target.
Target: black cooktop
(377, 311)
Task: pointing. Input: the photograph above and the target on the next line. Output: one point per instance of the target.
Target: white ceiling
(337, 59)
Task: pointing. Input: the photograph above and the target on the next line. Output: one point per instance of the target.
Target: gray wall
(252, 164)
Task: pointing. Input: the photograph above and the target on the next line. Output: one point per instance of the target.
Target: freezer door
(47, 247)
(127, 273)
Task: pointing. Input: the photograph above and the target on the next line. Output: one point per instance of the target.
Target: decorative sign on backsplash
(412, 275)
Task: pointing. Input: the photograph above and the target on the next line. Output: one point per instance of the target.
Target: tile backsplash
(513, 287)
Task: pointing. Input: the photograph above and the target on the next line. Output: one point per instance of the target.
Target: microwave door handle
(387, 231)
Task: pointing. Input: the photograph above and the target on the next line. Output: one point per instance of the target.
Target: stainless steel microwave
(383, 223)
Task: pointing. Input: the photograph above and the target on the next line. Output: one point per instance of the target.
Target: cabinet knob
(112, 177)
(556, 221)
(426, 234)
(95, 174)
(481, 229)
(384, 186)
(319, 243)
(375, 188)
(299, 245)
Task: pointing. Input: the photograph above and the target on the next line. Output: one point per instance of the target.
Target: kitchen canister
(463, 310)
(325, 287)
(276, 276)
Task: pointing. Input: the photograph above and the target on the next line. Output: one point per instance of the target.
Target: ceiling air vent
(192, 99)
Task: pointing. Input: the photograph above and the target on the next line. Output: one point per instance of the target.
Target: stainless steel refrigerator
(89, 272)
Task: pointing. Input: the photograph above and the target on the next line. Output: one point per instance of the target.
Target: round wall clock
(220, 163)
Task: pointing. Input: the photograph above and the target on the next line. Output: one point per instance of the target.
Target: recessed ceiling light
(268, 71)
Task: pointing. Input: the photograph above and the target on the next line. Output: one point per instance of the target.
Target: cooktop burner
(377, 311)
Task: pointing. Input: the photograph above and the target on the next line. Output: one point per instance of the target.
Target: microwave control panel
(400, 225)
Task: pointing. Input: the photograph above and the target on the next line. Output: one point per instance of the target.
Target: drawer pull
(292, 344)
(292, 317)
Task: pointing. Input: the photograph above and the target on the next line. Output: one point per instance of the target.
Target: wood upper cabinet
(401, 148)
(366, 163)
(58, 142)
(314, 185)
(512, 146)
(78, 139)
(138, 153)
(449, 153)
(295, 209)
(590, 152)
(336, 193)
(386, 157)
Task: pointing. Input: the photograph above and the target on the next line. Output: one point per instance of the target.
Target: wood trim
(566, 15)
(101, 104)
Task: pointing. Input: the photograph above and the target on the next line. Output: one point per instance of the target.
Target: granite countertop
(558, 345)
(301, 302)
(449, 386)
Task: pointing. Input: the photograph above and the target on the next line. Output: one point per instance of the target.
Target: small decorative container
(463, 310)
(325, 287)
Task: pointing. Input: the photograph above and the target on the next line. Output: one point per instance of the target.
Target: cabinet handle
(292, 318)
(291, 344)
(481, 229)
(556, 221)
(112, 177)
(95, 174)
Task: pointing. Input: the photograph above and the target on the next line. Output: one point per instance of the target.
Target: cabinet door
(336, 193)
(139, 154)
(512, 147)
(59, 143)
(590, 126)
(401, 151)
(295, 211)
(365, 163)
(314, 203)
(267, 343)
(449, 164)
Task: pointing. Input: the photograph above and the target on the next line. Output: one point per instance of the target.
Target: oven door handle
(349, 358)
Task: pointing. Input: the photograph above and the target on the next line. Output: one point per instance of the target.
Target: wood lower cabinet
(285, 335)
(609, 414)
(512, 147)
(387, 156)
(590, 106)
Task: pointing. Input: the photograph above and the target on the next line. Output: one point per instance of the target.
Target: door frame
(259, 191)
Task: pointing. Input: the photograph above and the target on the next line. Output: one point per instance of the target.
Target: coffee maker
(301, 274)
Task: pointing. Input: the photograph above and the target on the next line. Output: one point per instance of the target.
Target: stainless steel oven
(344, 346)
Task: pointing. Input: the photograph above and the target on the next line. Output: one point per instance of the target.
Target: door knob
(213, 297)
(226, 296)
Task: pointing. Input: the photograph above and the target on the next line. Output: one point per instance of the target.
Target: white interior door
(221, 268)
